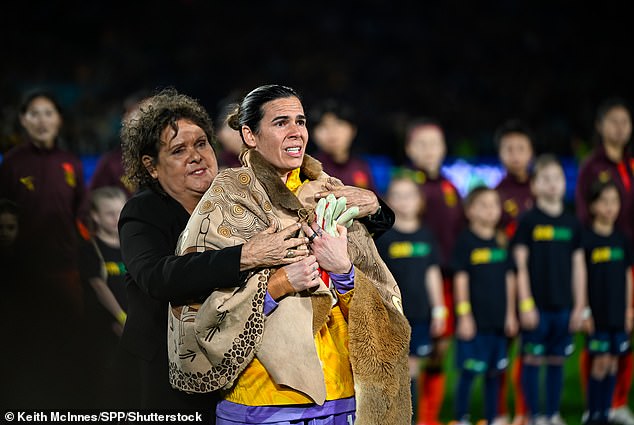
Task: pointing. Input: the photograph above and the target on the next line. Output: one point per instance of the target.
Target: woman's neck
(340, 157)
(432, 174)
(613, 152)
(43, 144)
(189, 202)
(520, 176)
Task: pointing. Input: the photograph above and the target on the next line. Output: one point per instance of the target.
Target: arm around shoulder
(147, 246)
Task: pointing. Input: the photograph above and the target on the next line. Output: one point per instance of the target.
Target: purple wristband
(344, 282)
(269, 304)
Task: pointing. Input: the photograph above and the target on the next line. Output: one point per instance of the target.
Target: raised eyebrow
(281, 118)
(287, 117)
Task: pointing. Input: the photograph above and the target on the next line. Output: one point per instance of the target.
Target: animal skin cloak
(211, 343)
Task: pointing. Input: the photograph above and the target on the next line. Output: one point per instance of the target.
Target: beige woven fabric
(210, 344)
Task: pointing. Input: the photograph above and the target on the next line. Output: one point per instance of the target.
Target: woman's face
(334, 135)
(42, 122)
(426, 148)
(283, 136)
(516, 153)
(616, 126)
(186, 163)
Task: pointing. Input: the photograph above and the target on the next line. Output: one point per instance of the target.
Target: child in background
(410, 253)
(609, 260)
(485, 303)
(109, 169)
(515, 149)
(551, 277)
(426, 149)
(610, 159)
(334, 131)
(102, 272)
(106, 204)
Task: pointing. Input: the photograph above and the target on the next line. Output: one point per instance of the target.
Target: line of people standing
(547, 249)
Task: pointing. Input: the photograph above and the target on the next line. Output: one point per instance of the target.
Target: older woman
(323, 339)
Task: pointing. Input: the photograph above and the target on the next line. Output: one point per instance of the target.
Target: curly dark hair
(141, 133)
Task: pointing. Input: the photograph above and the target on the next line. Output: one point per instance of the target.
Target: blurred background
(471, 65)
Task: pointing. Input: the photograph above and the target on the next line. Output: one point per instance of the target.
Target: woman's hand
(271, 248)
(364, 199)
(331, 251)
(295, 277)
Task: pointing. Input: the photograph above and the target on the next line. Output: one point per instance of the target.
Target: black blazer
(149, 227)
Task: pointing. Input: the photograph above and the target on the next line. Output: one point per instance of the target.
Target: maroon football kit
(354, 172)
(515, 197)
(599, 167)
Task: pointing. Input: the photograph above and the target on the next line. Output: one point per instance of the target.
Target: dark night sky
(469, 64)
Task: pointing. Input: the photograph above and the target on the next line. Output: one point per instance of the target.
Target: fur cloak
(211, 343)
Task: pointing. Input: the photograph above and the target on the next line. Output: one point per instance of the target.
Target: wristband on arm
(344, 282)
(439, 312)
(463, 308)
(527, 304)
(586, 313)
(121, 317)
